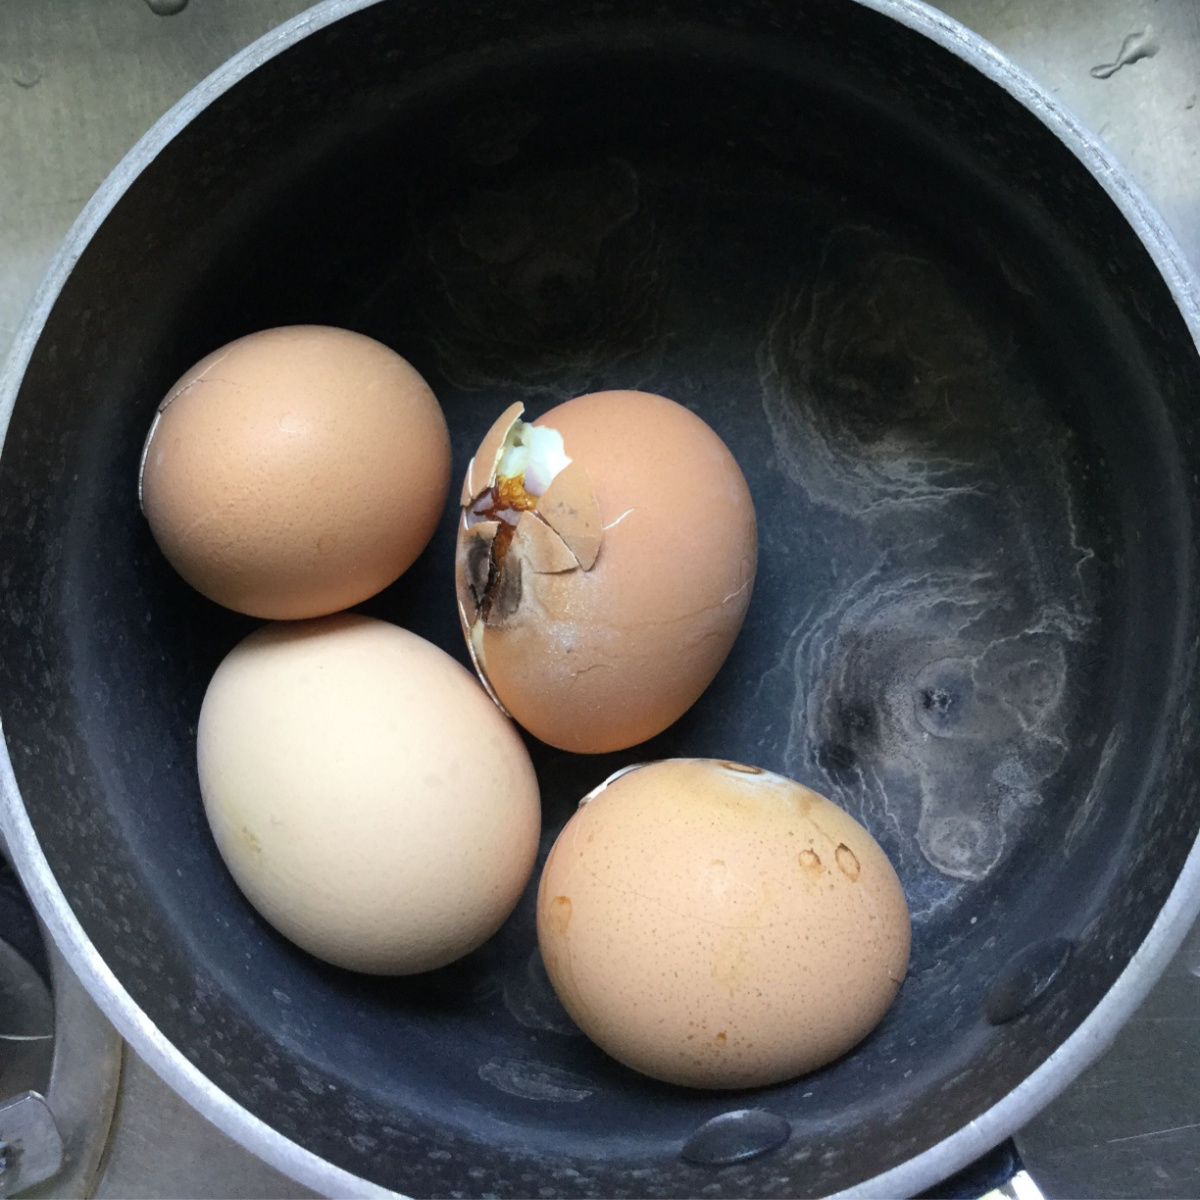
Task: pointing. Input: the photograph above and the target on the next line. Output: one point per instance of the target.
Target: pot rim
(923, 1170)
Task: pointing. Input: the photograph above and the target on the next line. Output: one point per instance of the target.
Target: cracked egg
(718, 926)
(606, 555)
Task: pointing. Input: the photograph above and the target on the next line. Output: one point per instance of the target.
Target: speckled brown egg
(296, 471)
(605, 562)
(719, 926)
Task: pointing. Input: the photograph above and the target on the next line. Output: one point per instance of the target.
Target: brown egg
(605, 561)
(718, 926)
(296, 471)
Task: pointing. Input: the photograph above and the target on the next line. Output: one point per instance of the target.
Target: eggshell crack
(563, 533)
(481, 471)
(621, 570)
(569, 507)
(541, 547)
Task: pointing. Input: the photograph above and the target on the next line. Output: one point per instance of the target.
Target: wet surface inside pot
(923, 348)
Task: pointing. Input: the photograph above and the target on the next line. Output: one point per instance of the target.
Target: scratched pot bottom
(951, 633)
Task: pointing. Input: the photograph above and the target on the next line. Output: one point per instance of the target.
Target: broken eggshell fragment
(568, 506)
(606, 556)
(481, 470)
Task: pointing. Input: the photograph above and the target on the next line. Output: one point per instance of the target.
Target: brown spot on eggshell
(847, 861)
(559, 915)
(472, 567)
(509, 590)
(810, 860)
(741, 768)
(481, 472)
(569, 507)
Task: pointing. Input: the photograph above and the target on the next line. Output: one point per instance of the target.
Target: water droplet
(166, 8)
(1026, 979)
(736, 1136)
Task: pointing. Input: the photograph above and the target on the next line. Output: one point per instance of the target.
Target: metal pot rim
(929, 1167)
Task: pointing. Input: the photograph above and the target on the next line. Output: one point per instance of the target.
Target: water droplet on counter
(736, 1136)
(166, 8)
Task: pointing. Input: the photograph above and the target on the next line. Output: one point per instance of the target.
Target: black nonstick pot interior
(965, 403)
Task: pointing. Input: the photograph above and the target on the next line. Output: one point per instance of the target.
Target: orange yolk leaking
(504, 503)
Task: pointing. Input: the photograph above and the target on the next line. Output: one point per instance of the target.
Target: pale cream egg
(368, 797)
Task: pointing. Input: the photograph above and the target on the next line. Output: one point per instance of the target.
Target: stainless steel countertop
(81, 80)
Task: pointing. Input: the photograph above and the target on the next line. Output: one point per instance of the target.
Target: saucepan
(953, 350)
